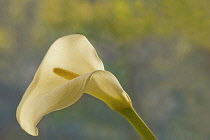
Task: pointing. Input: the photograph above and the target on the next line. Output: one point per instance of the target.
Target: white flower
(70, 68)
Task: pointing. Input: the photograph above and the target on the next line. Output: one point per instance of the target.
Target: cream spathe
(75, 58)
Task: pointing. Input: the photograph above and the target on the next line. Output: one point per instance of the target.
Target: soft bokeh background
(158, 49)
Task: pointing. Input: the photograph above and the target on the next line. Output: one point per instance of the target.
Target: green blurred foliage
(127, 20)
(158, 49)
(121, 20)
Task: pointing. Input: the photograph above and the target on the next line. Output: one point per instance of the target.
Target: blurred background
(158, 49)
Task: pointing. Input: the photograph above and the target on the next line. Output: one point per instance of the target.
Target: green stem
(137, 123)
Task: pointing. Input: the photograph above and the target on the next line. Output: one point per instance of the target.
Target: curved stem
(137, 123)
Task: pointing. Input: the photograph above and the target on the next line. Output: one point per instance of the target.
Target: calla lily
(70, 68)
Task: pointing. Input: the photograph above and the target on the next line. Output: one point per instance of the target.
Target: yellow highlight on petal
(65, 73)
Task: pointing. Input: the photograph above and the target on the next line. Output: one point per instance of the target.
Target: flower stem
(137, 123)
